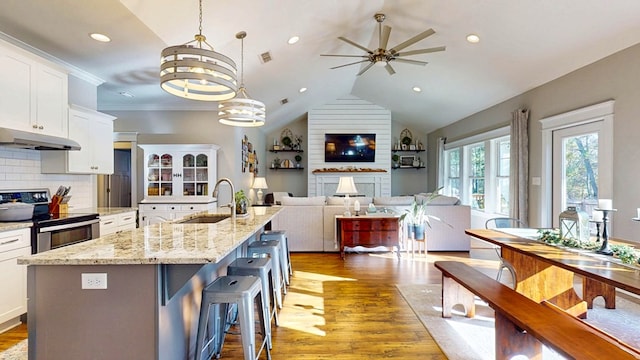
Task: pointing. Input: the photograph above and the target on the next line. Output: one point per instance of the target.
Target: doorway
(115, 190)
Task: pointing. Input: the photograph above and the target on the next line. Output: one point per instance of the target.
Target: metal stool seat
(262, 268)
(281, 235)
(270, 248)
(221, 293)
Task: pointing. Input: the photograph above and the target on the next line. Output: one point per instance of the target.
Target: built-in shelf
(276, 151)
(408, 167)
(284, 168)
(400, 150)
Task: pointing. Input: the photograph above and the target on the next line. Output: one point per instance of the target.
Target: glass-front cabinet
(179, 170)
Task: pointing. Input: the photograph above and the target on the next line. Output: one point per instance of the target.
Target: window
(476, 175)
(452, 175)
(477, 171)
(503, 147)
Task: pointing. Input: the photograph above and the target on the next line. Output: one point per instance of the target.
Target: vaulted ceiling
(523, 44)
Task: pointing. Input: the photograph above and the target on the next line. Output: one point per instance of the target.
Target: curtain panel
(519, 165)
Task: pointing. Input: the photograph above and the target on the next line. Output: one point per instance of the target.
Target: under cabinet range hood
(27, 140)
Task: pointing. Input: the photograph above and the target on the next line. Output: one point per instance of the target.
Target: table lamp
(260, 183)
(346, 186)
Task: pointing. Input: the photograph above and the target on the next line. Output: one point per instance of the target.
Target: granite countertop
(178, 200)
(102, 211)
(6, 226)
(163, 243)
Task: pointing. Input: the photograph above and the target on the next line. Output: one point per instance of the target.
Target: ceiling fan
(383, 57)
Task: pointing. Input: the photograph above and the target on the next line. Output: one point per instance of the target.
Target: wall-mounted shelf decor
(343, 170)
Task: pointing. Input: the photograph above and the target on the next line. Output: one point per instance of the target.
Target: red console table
(368, 231)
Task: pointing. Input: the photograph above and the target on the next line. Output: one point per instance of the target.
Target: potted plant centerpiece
(242, 202)
(417, 217)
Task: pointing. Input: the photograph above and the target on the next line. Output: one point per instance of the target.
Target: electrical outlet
(94, 281)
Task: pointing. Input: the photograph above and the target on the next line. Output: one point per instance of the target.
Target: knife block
(56, 207)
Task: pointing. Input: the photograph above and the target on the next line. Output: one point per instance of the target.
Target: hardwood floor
(347, 309)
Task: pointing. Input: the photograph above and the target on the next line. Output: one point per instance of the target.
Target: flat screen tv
(349, 147)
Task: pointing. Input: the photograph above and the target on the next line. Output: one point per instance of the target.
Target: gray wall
(194, 127)
(615, 77)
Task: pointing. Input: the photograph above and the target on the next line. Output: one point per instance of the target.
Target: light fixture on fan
(195, 72)
(242, 110)
(382, 56)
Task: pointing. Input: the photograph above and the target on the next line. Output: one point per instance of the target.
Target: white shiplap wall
(349, 115)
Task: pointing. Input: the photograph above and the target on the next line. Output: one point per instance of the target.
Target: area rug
(16, 352)
(461, 338)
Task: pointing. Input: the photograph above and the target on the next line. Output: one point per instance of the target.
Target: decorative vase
(418, 231)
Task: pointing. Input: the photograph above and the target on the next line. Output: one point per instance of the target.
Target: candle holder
(597, 222)
(604, 249)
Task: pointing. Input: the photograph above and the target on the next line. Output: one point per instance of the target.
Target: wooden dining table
(546, 272)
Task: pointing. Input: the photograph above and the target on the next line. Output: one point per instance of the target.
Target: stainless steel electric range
(50, 231)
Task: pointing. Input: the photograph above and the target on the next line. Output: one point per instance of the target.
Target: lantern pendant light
(192, 71)
(242, 110)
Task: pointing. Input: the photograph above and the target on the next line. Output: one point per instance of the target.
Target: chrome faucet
(232, 204)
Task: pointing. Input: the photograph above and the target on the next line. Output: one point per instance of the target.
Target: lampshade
(346, 186)
(242, 110)
(260, 183)
(193, 72)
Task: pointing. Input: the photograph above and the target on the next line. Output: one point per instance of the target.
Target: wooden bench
(523, 325)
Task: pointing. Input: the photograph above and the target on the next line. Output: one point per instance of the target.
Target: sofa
(310, 221)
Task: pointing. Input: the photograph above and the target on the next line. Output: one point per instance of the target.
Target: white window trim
(598, 112)
(489, 135)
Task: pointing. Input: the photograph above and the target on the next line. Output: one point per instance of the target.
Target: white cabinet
(154, 213)
(94, 132)
(34, 94)
(13, 287)
(110, 224)
(179, 170)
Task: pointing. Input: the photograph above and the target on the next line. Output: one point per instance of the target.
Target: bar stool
(262, 268)
(286, 256)
(225, 291)
(270, 248)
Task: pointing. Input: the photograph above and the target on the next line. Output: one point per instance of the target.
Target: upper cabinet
(34, 95)
(93, 131)
(179, 170)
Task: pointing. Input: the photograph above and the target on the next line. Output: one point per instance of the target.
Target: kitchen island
(153, 276)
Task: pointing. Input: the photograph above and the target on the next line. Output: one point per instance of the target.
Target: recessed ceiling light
(417, 89)
(473, 38)
(302, 89)
(100, 37)
(292, 40)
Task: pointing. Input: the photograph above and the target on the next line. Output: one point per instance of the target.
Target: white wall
(614, 77)
(193, 127)
(349, 115)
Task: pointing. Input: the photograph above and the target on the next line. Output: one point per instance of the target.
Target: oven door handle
(68, 226)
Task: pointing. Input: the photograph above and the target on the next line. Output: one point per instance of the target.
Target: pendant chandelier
(242, 110)
(195, 72)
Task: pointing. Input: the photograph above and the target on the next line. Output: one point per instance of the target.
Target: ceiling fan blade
(414, 62)
(412, 41)
(355, 44)
(421, 51)
(389, 69)
(365, 69)
(353, 63)
(358, 56)
(384, 37)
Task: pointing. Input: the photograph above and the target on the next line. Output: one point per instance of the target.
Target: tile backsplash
(20, 169)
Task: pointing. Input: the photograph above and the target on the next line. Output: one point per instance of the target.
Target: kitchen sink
(205, 219)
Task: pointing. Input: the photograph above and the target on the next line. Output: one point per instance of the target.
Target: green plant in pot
(417, 217)
(406, 140)
(242, 202)
(298, 159)
(395, 159)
